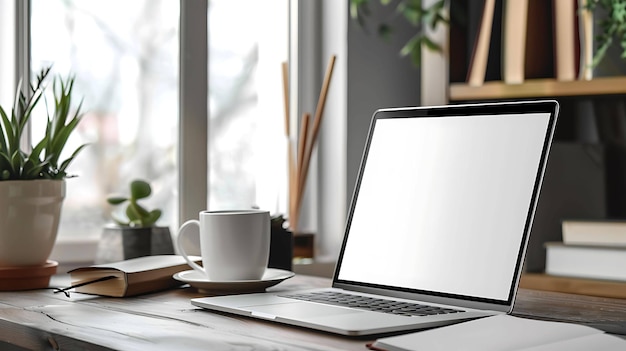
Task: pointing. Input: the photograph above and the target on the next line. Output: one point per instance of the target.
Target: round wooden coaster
(27, 277)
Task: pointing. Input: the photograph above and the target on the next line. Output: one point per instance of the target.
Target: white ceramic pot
(29, 220)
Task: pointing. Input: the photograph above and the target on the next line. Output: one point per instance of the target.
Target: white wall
(332, 150)
(369, 74)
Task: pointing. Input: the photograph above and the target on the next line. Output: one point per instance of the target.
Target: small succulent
(137, 215)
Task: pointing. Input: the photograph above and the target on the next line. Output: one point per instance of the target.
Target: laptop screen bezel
(550, 107)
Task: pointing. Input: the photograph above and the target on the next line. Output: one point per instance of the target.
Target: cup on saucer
(234, 245)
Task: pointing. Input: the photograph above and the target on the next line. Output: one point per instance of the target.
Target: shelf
(538, 88)
(603, 288)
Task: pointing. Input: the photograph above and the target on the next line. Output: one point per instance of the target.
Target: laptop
(438, 224)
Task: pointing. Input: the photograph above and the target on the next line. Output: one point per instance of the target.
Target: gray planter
(122, 243)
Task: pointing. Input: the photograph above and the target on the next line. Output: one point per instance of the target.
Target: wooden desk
(42, 320)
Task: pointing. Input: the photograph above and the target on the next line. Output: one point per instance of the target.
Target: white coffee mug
(234, 245)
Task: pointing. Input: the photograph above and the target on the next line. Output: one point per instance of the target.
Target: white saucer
(196, 279)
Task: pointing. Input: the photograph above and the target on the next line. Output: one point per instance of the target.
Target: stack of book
(590, 249)
(591, 260)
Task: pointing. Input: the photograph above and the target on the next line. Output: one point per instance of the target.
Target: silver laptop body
(441, 216)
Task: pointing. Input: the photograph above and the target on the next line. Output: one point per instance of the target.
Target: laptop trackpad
(299, 310)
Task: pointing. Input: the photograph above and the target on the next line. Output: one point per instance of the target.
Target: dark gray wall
(378, 77)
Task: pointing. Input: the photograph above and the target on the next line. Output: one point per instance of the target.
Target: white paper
(505, 332)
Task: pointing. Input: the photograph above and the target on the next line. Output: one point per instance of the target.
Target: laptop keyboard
(371, 304)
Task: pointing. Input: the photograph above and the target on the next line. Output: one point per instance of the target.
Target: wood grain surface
(41, 320)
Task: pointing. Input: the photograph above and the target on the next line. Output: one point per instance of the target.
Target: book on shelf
(504, 332)
(586, 261)
(494, 57)
(585, 28)
(539, 54)
(514, 40)
(460, 34)
(480, 52)
(594, 232)
(130, 277)
(566, 42)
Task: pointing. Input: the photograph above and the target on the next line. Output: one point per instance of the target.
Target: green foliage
(613, 26)
(137, 215)
(43, 160)
(413, 13)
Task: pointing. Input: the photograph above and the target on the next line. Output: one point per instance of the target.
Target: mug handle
(181, 249)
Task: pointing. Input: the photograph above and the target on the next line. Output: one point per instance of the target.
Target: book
(504, 332)
(539, 54)
(514, 41)
(494, 58)
(459, 40)
(130, 277)
(586, 261)
(594, 232)
(480, 53)
(565, 39)
(585, 33)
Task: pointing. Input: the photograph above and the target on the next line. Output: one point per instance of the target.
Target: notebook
(438, 224)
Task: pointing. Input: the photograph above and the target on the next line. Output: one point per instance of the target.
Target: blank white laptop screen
(462, 186)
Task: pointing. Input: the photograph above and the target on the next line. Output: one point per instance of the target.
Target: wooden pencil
(302, 175)
(291, 170)
(302, 143)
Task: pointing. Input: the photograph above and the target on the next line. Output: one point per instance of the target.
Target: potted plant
(134, 234)
(32, 179)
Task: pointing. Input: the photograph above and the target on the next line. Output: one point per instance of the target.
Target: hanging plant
(412, 12)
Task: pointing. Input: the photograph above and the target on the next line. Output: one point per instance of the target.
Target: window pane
(124, 55)
(7, 56)
(248, 41)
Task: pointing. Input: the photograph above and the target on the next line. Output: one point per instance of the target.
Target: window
(7, 45)
(126, 69)
(125, 56)
(247, 144)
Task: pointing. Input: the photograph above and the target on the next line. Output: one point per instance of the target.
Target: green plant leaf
(69, 160)
(3, 135)
(29, 170)
(431, 45)
(413, 15)
(59, 139)
(139, 189)
(137, 215)
(143, 213)
(119, 220)
(385, 31)
(5, 167)
(357, 8)
(16, 164)
(116, 199)
(9, 145)
(152, 217)
(131, 213)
